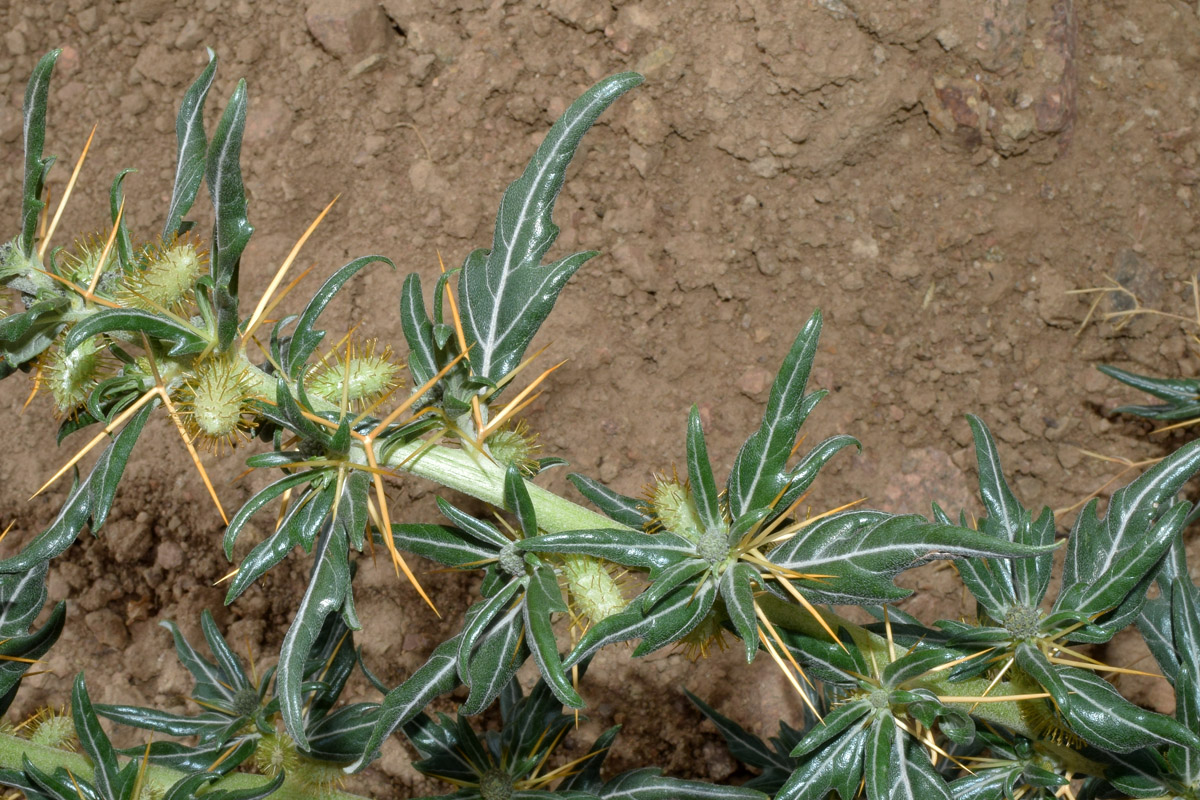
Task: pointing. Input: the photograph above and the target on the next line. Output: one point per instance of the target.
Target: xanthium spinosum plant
(1006, 704)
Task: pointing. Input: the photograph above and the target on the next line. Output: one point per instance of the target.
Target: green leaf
(327, 591)
(213, 686)
(670, 579)
(802, 477)
(184, 339)
(231, 228)
(255, 503)
(260, 792)
(1107, 559)
(738, 593)
(651, 784)
(418, 331)
(218, 755)
(37, 92)
(836, 723)
(837, 767)
(516, 500)
(1182, 395)
(757, 475)
(189, 165)
(442, 544)
(1105, 719)
(912, 776)
(438, 675)
(700, 475)
(1037, 666)
(205, 726)
(187, 787)
(22, 595)
(341, 736)
(478, 618)
(90, 500)
(877, 756)
(542, 598)
(675, 617)
(654, 552)
(481, 531)
(305, 339)
(123, 244)
(864, 550)
(93, 740)
(30, 646)
(497, 657)
(625, 510)
(504, 293)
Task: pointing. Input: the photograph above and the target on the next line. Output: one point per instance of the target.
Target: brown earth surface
(935, 175)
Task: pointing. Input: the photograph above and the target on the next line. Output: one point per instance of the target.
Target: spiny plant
(1008, 702)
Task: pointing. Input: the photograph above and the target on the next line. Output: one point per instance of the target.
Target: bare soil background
(935, 175)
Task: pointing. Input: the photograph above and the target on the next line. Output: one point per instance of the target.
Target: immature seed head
(595, 593)
(1022, 622)
(511, 561)
(70, 377)
(880, 699)
(713, 546)
(53, 729)
(361, 375)
(515, 446)
(215, 403)
(495, 784)
(165, 278)
(81, 263)
(674, 510)
(701, 639)
(276, 752)
(245, 702)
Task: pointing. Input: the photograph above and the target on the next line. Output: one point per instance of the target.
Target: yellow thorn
(792, 530)
(79, 290)
(141, 775)
(74, 782)
(887, 627)
(500, 384)
(37, 384)
(802, 600)
(187, 442)
(957, 661)
(787, 673)
(287, 263)
(108, 245)
(278, 298)
(416, 395)
(385, 529)
(108, 429)
(514, 404)
(227, 576)
(8, 528)
(62, 204)
(995, 681)
(996, 698)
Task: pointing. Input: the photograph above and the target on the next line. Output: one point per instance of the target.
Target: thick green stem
(14, 749)
(474, 475)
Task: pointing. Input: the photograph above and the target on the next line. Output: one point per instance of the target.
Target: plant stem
(13, 749)
(472, 474)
